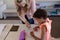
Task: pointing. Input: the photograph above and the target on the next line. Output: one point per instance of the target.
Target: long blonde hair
(28, 3)
(25, 8)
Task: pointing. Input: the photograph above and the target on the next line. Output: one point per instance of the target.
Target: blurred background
(8, 14)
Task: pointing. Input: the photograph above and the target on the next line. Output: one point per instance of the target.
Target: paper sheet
(2, 27)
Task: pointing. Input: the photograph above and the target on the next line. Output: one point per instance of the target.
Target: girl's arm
(43, 31)
(32, 34)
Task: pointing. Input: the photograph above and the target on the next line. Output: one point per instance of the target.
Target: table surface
(15, 35)
(5, 31)
(9, 35)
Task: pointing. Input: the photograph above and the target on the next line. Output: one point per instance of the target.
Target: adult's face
(22, 4)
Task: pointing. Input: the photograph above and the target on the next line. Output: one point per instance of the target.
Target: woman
(25, 9)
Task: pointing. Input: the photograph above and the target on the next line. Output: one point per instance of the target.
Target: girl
(45, 24)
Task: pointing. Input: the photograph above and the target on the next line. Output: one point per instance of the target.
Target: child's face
(39, 20)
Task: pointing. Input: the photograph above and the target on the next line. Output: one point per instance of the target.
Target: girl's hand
(32, 34)
(36, 28)
(37, 39)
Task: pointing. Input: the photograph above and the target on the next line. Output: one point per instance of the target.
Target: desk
(9, 35)
(5, 31)
(2, 26)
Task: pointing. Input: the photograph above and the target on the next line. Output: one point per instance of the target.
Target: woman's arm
(22, 17)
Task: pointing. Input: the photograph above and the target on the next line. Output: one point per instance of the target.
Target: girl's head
(40, 15)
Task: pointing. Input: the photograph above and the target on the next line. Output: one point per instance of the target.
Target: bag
(22, 35)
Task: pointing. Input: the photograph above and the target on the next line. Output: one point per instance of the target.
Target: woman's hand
(27, 24)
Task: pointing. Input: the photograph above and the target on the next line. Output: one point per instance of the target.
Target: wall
(1, 2)
(42, 4)
(55, 29)
(10, 3)
(47, 0)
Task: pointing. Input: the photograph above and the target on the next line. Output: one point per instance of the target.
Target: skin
(42, 32)
(21, 16)
(32, 34)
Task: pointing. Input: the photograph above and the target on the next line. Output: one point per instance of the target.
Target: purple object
(22, 35)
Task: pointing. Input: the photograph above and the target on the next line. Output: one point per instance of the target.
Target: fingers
(28, 25)
(36, 28)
